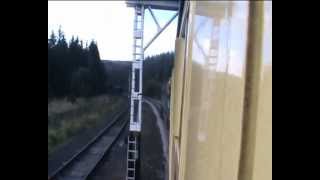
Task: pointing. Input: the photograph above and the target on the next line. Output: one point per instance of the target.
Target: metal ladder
(138, 33)
(136, 95)
(137, 70)
(132, 156)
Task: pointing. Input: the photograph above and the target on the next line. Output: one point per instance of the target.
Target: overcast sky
(110, 23)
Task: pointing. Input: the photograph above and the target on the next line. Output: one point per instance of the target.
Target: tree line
(74, 69)
(156, 73)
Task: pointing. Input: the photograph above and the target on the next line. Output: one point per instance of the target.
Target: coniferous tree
(74, 70)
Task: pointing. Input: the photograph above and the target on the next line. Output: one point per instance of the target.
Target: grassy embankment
(65, 120)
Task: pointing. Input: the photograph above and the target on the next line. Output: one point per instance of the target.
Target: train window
(213, 76)
(136, 80)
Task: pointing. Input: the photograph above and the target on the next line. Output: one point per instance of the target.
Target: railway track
(81, 165)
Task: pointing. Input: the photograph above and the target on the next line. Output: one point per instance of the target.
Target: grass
(66, 119)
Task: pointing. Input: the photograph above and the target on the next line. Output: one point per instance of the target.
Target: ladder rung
(131, 169)
(133, 154)
(133, 164)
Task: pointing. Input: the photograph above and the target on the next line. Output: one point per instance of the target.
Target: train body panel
(221, 96)
(256, 157)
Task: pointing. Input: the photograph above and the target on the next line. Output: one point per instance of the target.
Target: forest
(76, 70)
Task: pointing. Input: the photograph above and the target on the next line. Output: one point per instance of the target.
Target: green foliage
(66, 120)
(152, 89)
(156, 74)
(74, 70)
(80, 81)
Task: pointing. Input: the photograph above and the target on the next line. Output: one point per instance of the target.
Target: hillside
(156, 74)
(118, 75)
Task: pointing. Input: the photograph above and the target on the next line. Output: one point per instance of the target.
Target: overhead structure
(137, 72)
(172, 5)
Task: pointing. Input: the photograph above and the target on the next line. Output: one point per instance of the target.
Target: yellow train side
(221, 93)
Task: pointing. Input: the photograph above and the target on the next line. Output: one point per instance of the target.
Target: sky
(110, 24)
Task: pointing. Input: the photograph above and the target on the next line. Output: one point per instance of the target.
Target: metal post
(154, 18)
(133, 151)
(161, 30)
